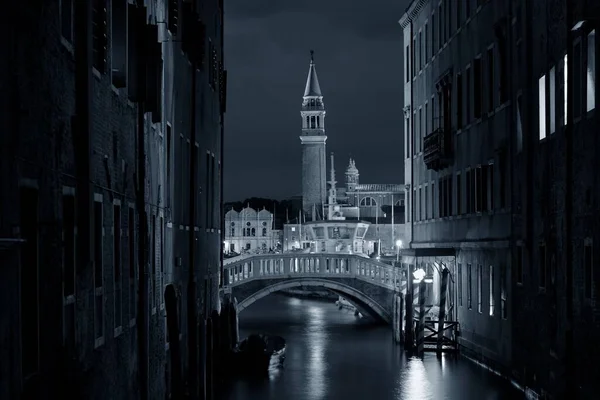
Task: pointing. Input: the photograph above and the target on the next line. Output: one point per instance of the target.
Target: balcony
(436, 150)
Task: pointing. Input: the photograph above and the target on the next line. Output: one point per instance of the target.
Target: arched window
(264, 231)
(318, 121)
(232, 232)
(312, 122)
(400, 203)
(368, 202)
(308, 122)
(253, 232)
(247, 246)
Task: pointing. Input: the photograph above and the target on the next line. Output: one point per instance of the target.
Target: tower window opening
(307, 121)
(318, 121)
(312, 122)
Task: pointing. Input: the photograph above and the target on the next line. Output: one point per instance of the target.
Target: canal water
(332, 354)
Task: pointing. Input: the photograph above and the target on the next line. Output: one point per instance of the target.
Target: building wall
(534, 201)
(41, 149)
(237, 224)
(313, 177)
(437, 211)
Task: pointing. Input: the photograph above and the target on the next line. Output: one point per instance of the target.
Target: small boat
(258, 353)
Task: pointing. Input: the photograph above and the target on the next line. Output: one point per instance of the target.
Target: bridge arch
(355, 296)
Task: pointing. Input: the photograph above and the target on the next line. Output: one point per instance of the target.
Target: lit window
(552, 99)
(591, 71)
(542, 106)
(565, 70)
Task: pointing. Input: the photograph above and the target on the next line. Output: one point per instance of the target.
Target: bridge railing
(322, 265)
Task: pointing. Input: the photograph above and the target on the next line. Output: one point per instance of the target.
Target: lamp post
(398, 246)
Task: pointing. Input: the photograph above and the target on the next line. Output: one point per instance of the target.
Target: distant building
(379, 204)
(99, 160)
(249, 231)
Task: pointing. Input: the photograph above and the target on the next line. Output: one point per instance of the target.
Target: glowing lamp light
(418, 275)
(428, 279)
(398, 243)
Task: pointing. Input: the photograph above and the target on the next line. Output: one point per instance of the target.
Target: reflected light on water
(414, 383)
(293, 301)
(317, 338)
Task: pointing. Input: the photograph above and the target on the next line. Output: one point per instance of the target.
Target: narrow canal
(333, 355)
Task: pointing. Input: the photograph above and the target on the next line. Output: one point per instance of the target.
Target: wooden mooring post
(442, 312)
(421, 326)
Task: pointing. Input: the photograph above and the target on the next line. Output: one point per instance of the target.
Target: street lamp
(418, 275)
(398, 246)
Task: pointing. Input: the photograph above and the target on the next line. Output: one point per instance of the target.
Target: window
(98, 271)
(478, 189)
(213, 192)
(458, 14)
(449, 12)
(468, 189)
(433, 37)
(414, 55)
(118, 44)
(427, 216)
(440, 27)
(161, 297)
(168, 173)
(368, 202)
(253, 232)
(491, 91)
(117, 265)
(468, 96)
(565, 89)
(479, 288)
(460, 280)
(459, 210)
(420, 204)
(503, 68)
(503, 295)
(264, 231)
(415, 202)
(207, 191)
(542, 265)
(552, 99)
(477, 88)
(459, 101)
(407, 136)
(469, 287)
(426, 44)
(99, 35)
(426, 119)
(491, 281)
(153, 287)
(30, 329)
(468, 8)
(421, 52)
(588, 269)
(519, 264)
(591, 71)
(69, 262)
(420, 130)
(132, 268)
(542, 106)
(407, 66)
(519, 136)
(577, 79)
(490, 186)
(414, 133)
(67, 19)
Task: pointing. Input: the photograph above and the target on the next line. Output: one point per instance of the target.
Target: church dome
(351, 169)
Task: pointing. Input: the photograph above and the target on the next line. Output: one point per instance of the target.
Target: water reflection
(331, 354)
(317, 339)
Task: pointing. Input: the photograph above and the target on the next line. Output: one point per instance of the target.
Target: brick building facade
(102, 135)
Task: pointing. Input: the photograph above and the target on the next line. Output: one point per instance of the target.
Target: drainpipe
(82, 132)
(570, 365)
(143, 245)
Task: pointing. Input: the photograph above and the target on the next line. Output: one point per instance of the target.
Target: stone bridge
(371, 285)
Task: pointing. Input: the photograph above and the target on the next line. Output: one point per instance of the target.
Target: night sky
(358, 56)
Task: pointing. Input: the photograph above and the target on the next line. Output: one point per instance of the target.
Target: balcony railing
(436, 154)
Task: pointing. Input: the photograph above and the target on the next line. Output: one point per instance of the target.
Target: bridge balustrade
(324, 265)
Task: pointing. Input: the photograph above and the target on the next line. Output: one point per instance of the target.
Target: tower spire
(312, 89)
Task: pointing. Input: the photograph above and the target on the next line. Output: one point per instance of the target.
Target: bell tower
(314, 169)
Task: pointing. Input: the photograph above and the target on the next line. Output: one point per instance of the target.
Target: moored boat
(256, 354)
